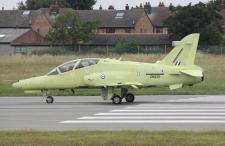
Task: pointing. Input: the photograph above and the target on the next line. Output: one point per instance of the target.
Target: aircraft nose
(17, 85)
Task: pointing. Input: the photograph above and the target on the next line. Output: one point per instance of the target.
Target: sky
(118, 4)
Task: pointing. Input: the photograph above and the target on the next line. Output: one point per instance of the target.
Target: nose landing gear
(48, 99)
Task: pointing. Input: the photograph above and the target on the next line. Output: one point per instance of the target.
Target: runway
(154, 113)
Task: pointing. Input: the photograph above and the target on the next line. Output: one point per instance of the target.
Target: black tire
(117, 99)
(130, 98)
(49, 99)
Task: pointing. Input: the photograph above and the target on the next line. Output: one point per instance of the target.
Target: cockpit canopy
(72, 65)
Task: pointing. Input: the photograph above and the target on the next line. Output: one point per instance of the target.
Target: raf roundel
(103, 76)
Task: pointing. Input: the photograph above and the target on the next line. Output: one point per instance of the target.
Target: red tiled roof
(30, 37)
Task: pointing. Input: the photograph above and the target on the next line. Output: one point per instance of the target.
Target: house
(141, 25)
(13, 24)
(119, 21)
(7, 35)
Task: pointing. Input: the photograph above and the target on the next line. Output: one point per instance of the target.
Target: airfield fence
(106, 51)
(217, 50)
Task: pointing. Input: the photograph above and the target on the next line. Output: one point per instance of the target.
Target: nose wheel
(49, 100)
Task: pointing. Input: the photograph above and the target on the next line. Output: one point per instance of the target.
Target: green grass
(16, 68)
(122, 138)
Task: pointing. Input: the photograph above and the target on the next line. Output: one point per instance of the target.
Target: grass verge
(122, 138)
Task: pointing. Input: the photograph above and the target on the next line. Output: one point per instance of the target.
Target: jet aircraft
(175, 71)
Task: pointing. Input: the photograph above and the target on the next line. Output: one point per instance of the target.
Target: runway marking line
(150, 117)
(144, 122)
(144, 114)
(151, 107)
(159, 114)
(187, 110)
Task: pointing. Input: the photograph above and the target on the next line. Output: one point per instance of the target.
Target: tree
(171, 7)
(216, 4)
(37, 4)
(211, 35)
(194, 19)
(69, 29)
(82, 4)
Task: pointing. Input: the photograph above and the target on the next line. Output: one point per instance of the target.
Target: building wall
(6, 50)
(41, 25)
(163, 30)
(27, 50)
(144, 25)
(117, 30)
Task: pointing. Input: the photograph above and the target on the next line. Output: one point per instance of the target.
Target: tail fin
(184, 52)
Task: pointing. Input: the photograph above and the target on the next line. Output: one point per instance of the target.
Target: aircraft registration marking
(155, 75)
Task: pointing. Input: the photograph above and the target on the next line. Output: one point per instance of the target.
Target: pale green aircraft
(175, 71)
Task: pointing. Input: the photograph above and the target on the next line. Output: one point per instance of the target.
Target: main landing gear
(116, 99)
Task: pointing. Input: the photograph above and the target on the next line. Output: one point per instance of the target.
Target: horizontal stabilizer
(193, 73)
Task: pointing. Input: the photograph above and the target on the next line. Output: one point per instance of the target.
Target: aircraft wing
(133, 85)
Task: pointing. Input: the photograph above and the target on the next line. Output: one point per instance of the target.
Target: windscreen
(53, 72)
(67, 66)
(87, 62)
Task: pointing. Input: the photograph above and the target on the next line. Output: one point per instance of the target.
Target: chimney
(100, 8)
(54, 8)
(148, 8)
(127, 7)
(161, 4)
(111, 7)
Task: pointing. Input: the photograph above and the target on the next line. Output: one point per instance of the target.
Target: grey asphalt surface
(154, 113)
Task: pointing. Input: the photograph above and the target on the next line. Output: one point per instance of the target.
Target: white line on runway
(144, 122)
(187, 110)
(152, 118)
(151, 107)
(159, 114)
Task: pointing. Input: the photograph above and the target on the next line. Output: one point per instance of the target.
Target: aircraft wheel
(49, 99)
(130, 98)
(116, 99)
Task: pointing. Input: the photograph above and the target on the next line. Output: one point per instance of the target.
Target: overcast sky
(119, 4)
